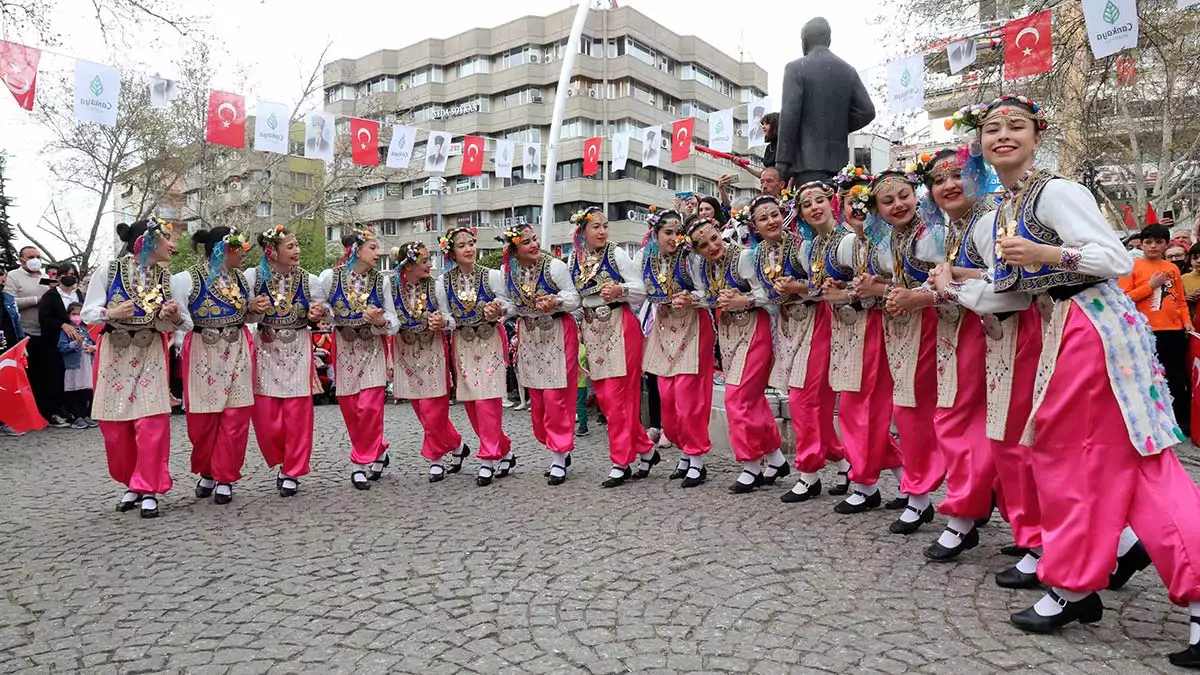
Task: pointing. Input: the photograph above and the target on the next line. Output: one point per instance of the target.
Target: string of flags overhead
(97, 95)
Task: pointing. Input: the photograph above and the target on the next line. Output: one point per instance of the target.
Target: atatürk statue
(824, 101)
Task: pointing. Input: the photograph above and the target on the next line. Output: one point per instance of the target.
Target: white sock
(919, 502)
(558, 470)
(1028, 564)
(129, 497)
(696, 462)
(648, 455)
(207, 483)
(749, 471)
(1126, 542)
(289, 482)
(775, 458)
(617, 472)
(807, 480)
(149, 502)
(916, 505)
(1046, 606)
(683, 463)
(224, 489)
(842, 466)
(1194, 636)
(436, 469)
(560, 460)
(961, 525)
(855, 497)
(489, 463)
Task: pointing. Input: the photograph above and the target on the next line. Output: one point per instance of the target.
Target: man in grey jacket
(824, 101)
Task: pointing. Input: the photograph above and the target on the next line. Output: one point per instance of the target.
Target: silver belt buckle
(544, 322)
(348, 334)
(121, 339)
(992, 326)
(797, 311)
(847, 314)
(286, 335)
(210, 336)
(143, 338)
(364, 333)
(408, 337)
(949, 314)
(267, 334)
(231, 334)
(470, 333)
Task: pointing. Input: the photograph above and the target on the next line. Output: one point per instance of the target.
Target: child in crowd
(77, 378)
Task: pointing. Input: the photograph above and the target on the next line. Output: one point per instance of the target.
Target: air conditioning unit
(535, 58)
(741, 130)
(662, 183)
(665, 141)
(535, 98)
(671, 108)
(593, 93)
(403, 86)
(571, 93)
(650, 100)
(235, 184)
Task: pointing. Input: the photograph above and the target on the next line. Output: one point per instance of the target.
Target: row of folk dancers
(991, 332)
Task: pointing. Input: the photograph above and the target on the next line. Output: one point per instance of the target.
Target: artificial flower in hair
(741, 215)
(235, 240)
(580, 217)
(514, 235)
(275, 234)
(973, 116)
(860, 200)
(444, 244)
(412, 253)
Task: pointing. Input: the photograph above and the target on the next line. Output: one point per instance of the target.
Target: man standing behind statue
(824, 101)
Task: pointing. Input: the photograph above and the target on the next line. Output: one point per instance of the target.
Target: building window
(299, 209)
(616, 47)
(474, 66)
(387, 227)
(862, 157)
(692, 71)
(524, 135)
(469, 183)
(296, 148)
(726, 87)
(333, 233)
(375, 193)
(520, 56)
(302, 180)
(259, 176)
(384, 263)
(263, 209)
(639, 51)
(643, 94)
(419, 78)
(750, 94)
(705, 186)
(579, 127)
(569, 170)
(193, 198)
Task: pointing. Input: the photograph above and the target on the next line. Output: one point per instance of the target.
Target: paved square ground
(516, 577)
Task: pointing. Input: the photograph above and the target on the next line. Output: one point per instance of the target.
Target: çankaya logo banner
(1112, 25)
(97, 88)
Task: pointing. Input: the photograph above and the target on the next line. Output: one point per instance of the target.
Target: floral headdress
(360, 237)
(859, 199)
(270, 239)
(659, 217)
(805, 228)
(850, 174)
(580, 219)
(406, 254)
(147, 243)
(511, 239)
(233, 240)
(695, 224)
(446, 241)
(972, 117)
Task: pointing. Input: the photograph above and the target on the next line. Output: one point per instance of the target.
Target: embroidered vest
(1031, 279)
(723, 274)
(467, 294)
(595, 270)
(124, 284)
(908, 271)
(289, 299)
(787, 265)
(217, 305)
(833, 267)
(960, 242)
(525, 293)
(415, 316)
(823, 254)
(665, 276)
(348, 308)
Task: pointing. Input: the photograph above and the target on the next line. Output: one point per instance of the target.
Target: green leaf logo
(97, 86)
(905, 78)
(1111, 13)
(272, 122)
(720, 126)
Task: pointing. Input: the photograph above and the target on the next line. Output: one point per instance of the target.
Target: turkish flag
(1126, 71)
(226, 119)
(591, 156)
(1151, 216)
(364, 142)
(18, 69)
(1194, 373)
(472, 163)
(1028, 45)
(681, 139)
(17, 407)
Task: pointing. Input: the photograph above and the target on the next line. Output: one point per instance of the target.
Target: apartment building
(501, 83)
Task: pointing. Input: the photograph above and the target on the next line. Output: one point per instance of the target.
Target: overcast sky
(277, 43)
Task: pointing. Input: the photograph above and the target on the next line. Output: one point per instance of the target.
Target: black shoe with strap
(780, 471)
(645, 465)
(129, 501)
(690, 482)
(556, 475)
(223, 497)
(807, 492)
(842, 486)
(507, 463)
(484, 477)
(149, 506)
(614, 481)
(938, 553)
(566, 465)
(203, 491)
(437, 472)
(1014, 551)
(456, 458)
(359, 480)
(378, 466)
(1187, 658)
(741, 488)
(1015, 578)
(870, 501)
(896, 503)
(680, 471)
(1087, 610)
(1135, 560)
(901, 526)
(287, 486)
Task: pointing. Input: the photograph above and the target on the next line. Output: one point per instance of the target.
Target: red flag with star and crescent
(681, 139)
(226, 119)
(591, 156)
(472, 164)
(17, 407)
(364, 142)
(18, 69)
(1028, 45)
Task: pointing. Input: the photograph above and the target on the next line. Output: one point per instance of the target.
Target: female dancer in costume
(133, 299)
(679, 346)
(421, 374)
(473, 301)
(1101, 431)
(609, 283)
(543, 298)
(858, 366)
(362, 314)
(784, 272)
(910, 340)
(285, 375)
(744, 334)
(218, 368)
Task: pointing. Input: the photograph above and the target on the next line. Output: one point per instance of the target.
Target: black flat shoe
(780, 471)
(645, 465)
(149, 511)
(484, 477)
(507, 464)
(437, 476)
(904, 527)
(359, 480)
(1187, 658)
(555, 479)
(1015, 578)
(223, 498)
(611, 482)
(740, 488)
(1135, 560)
(286, 490)
(566, 464)
(689, 482)
(1087, 610)
(456, 459)
(377, 468)
(128, 504)
(201, 491)
(842, 486)
(871, 501)
(811, 491)
(1014, 551)
(896, 503)
(938, 553)
(677, 474)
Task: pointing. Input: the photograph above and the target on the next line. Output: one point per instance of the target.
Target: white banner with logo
(505, 151)
(620, 151)
(906, 84)
(1112, 25)
(400, 149)
(271, 121)
(97, 90)
(758, 136)
(720, 130)
(960, 53)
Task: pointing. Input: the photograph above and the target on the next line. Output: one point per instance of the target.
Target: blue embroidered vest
(961, 250)
(1040, 278)
(415, 317)
(123, 285)
(348, 310)
(525, 296)
(824, 254)
(673, 270)
(596, 270)
(909, 271)
(788, 265)
(467, 294)
(833, 267)
(289, 305)
(723, 274)
(213, 307)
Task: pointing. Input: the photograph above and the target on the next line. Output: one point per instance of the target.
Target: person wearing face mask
(363, 315)
(54, 320)
(77, 350)
(1177, 254)
(27, 284)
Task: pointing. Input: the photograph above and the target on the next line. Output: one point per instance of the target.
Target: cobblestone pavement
(517, 577)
